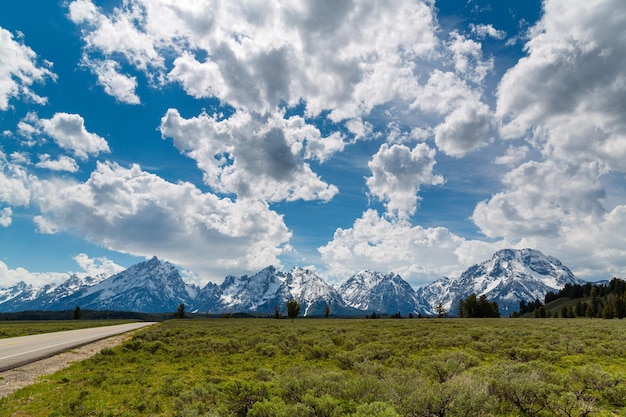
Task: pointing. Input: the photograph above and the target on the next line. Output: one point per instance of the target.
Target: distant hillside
(587, 300)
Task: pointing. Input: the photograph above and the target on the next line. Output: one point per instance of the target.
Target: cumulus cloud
(63, 163)
(19, 70)
(592, 247)
(420, 255)
(559, 207)
(566, 99)
(541, 197)
(10, 277)
(464, 130)
(468, 55)
(14, 183)
(468, 122)
(483, 31)
(259, 57)
(571, 83)
(254, 156)
(116, 84)
(88, 267)
(6, 217)
(68, 132)
(132, 211)
(100, 266)
(512, 156)
(398, 172)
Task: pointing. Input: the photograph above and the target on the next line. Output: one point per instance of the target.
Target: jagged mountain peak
(375, 291)
(511, 275)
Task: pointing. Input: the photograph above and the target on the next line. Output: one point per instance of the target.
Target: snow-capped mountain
(269, 290)
(386, 293)
(150, 286)
(314, 294)
(509, 277)
(154, 286)
(261, 292)
(26, 297)
(21, 293)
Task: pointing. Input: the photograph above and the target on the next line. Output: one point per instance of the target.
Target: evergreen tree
(580, 311)
(441, 310)
(620, 307)
(523, 309)
(478, 307)
(78, 313)
(293, 309)
(541, 313)
(180, 312)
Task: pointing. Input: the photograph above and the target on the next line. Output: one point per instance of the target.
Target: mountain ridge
(511, 275)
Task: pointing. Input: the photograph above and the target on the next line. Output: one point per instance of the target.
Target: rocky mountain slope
(154, 286)
(507, 278)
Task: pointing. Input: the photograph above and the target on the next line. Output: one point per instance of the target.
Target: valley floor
(333, 367)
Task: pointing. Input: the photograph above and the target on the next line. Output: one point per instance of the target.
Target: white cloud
(63, 163)
(14, 183)
(6, 217)
(540, 198)
(132, 211)
(513, 156)
(359, 128)
(68, 132)
(420, 255)
(591, 246)
(398, 172)
(120, 34)
(466, 129)
(10, 277)
(483, 31)
(117, 85)
(559, 207)
(19, 70)
(254, 156)
(257, 57)
(89, 267)
(571, 84)
(468, 58)
(92, 267)
(468, 122)
(567, 99)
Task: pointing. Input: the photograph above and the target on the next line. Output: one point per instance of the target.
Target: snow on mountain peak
(511, 275)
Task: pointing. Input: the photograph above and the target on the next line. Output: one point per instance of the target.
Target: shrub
(240, 396)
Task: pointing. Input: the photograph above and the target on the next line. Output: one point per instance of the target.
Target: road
(17, 351)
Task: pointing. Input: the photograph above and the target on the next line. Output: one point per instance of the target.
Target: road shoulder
(16, 378)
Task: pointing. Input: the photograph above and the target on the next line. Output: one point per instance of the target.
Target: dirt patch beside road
(14, 379)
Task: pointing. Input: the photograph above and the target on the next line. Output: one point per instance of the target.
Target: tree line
(600, 301)
(478, 307)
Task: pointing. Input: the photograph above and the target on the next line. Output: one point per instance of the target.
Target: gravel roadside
(14, 379)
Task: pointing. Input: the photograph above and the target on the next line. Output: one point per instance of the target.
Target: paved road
(17, 351)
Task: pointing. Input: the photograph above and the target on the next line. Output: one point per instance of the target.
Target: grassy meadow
(357, 367)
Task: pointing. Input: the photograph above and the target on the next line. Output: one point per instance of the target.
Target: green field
(333, 367)
(26, 327)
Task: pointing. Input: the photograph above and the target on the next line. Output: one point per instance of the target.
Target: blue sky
(414, 137)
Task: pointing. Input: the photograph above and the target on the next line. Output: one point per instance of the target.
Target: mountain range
(509, 277)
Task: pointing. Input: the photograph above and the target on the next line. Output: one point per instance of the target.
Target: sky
(408, 136)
